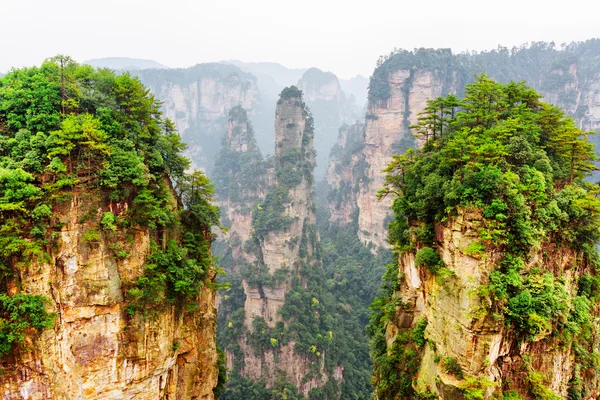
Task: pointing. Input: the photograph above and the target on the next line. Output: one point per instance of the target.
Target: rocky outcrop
(387, 132)
(279, 248)
(242, 178)
(346, 173)
(402, 84)
(463, 326)
(198, 100)
(275, 245)
(96, 349)
(331, 108)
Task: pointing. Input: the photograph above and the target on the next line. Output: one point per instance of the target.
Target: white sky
(345, 37)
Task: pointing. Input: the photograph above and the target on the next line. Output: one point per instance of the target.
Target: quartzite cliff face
(402, 84)
(242, 179)
(387, 132)
(96, 350)
(272, 246)
(482, 345)
(198, 100)
(107, 287)
(346, 174)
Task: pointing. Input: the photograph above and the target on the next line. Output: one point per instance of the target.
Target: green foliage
(290, 92)
(452, 367)
(538, 389)
(520, 165)
(475, 388)
(430, 259)
(19, 313)
(222, 378)
(268, 216)
(418, 332)
(108, 221)
(68, 128)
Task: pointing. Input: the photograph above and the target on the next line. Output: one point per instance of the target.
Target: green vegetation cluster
(237, 175)
(522, 165)
(69, 129)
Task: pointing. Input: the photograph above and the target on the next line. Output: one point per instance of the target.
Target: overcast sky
(345, 37)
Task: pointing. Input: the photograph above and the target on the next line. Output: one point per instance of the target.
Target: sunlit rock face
(96, 350)
(462, 326)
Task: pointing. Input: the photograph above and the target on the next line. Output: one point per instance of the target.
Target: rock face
(387, 132)
(331, 108)
(198, 100)
(280, 249)
(242, 179)
(271, 245)
(346, 173)
(462, 330)
(402, 84)
(96, 350)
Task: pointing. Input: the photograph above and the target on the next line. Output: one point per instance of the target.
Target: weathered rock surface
(96, 350)
(387, 122)
(461, 324)
(198, 100)
(346, 173)
(275, 254)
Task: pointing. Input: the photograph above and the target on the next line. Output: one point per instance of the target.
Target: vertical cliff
(242, 179)
(331, 108)
(198, 100)
(278, 333)
(108, 280)
(495, 292)
(403, 82)
(387, 132)
(346, 173)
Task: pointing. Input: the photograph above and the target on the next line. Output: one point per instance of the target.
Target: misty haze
(317, 200)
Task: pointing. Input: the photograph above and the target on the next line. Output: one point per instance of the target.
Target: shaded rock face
(387, 132)
(280, 248)
(269, 250)
(96, 350)
(346, 173)
(331, 108)
(387, 122)
(198, 100)
(461, 325)
(242, 178)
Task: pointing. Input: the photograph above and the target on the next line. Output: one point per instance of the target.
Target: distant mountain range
(273, 76)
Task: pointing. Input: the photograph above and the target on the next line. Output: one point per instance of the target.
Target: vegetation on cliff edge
(522, 164)
(68, 129)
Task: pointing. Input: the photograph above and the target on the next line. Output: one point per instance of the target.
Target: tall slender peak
(240, 133)
(283, 275)
(294, 136)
